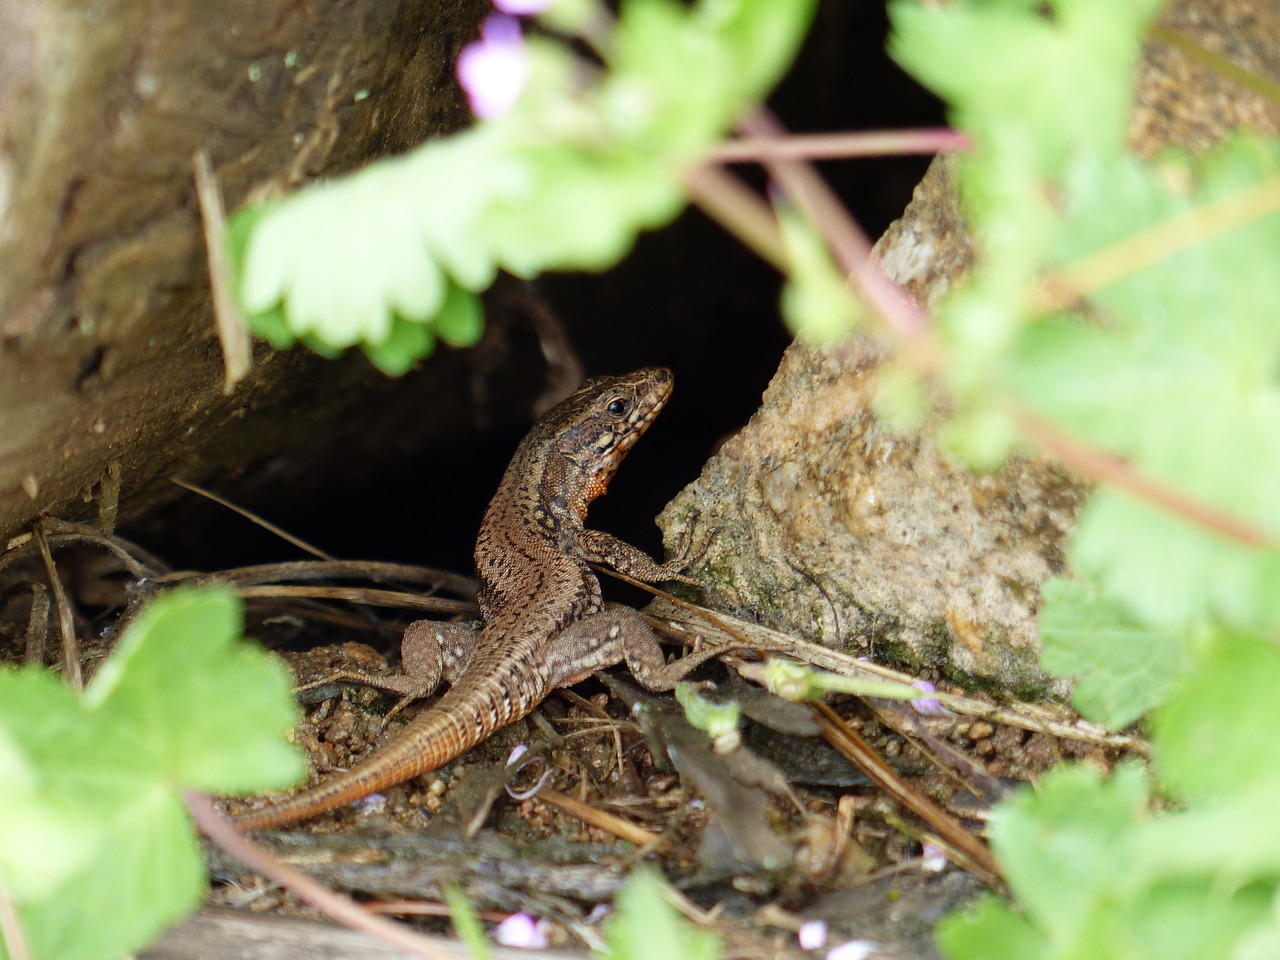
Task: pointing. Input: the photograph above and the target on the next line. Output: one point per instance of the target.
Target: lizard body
(546, 625)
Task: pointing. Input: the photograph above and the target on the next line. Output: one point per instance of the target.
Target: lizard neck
(527, 553)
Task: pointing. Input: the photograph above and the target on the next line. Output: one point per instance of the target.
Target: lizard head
(604, 418)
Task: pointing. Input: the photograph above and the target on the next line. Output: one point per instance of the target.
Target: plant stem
(830, 146)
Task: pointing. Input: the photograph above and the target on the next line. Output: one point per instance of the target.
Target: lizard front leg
(618, 634)
(430, 651)
(596, 546)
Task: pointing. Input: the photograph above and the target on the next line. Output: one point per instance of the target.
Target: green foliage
(95, 845)
(1123, 668)
(646, 927)
(391, 258)
(465, 922)
(1167, 361)
(1098, 876)
(1125, 304)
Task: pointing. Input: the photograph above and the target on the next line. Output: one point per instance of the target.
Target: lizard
(545, 622)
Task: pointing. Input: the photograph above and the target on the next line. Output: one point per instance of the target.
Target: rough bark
(110, 374)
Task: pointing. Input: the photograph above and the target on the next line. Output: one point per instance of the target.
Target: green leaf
(762, 38)
(45, 756)
(981, 438)
(465, 922)
(1234, 689)
(95, 844)
(461, 319)
(192, 703)
(1203, 392)
(1064, 848)
(646, 927)
(146, 871)
(578, 210)
(565, 181)
(900, 401)
(1262, 942)
(271, 326)
(1189, 920)
(341, 260)
(1225, 842)
(989, 930)
(1040, 87)
(1124, 669)
(1167, 363)
(409, 342)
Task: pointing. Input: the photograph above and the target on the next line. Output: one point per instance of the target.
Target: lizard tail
(442, 733)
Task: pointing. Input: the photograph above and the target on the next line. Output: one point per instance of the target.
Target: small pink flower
(812, 935)
(518, 751)
(933, 858)
(927, 706)
(852, 950)
(523, 8)
(493, 69)
(521, 930)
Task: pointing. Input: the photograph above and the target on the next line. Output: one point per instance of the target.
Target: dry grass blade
(689, 621)
(66, 619)
(139, 562)
(253, 518)
(1158, 242)
(37, 625)
(233, 335)
(1263, 86)
(11, 932)
(979, 859)
(608, 822)
(311, 570)
(371, 596)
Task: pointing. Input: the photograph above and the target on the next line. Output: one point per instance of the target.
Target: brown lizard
(546, 625)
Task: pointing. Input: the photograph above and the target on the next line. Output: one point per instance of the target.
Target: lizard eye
(617, 406)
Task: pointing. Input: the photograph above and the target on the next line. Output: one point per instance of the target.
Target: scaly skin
(545, 623)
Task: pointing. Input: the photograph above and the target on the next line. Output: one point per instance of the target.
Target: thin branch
(1105, 468)
(312, 570)
(835, 146)
(1158, 242)
(343, 909)
(729, 202)
(1253, 82)
(369, 596)
(601, 819)
(12, 934)
(846, 240)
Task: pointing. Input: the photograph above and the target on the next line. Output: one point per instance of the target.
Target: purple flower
(493, 70)
(522, 8)
(927, 706)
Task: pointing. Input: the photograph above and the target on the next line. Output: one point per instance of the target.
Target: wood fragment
(233, 334)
